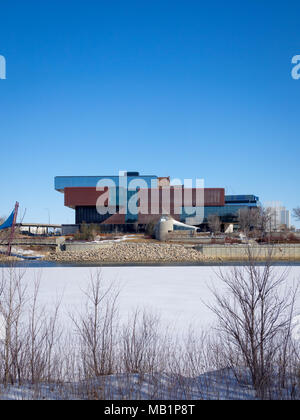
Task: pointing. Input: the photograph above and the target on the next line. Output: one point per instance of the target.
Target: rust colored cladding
(175, 198)
(149, 199)
(115, 219)
(83, 196)
(214, 197)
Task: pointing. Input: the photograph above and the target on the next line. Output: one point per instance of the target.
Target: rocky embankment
(132, 253)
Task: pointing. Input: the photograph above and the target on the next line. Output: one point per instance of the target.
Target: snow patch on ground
(22, 252)
(209, 386)
(26, 252)
(224, 384)
(117, 240)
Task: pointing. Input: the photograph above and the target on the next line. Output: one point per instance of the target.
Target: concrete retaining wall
(241, 252)
(193, 237)
(82, 246)
(55, 242)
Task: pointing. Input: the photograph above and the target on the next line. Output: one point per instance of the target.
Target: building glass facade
(228, 213)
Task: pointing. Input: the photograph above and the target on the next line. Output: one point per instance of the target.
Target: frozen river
(177, 294)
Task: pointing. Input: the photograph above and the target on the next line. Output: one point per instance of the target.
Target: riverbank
(122, 253)
(165, 253)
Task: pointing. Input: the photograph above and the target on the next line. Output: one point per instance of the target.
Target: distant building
(279, 216)
(136, 200)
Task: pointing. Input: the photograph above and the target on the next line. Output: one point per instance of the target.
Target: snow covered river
(177, 294)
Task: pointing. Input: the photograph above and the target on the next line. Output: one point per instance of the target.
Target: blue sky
(188, 89)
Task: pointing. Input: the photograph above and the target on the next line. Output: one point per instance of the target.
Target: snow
(118, 239)
(224, 384)
(20, 252)
(212, 385)
(26, 252)
(178, 294)
(175, 293)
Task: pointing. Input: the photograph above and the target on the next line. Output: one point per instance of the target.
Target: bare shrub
(142, 344)
(150, 229)
(30, 333)
(40, 339)
(141, 359)
(12, 300)
(86, 233)
(254, 318)
(96, 329)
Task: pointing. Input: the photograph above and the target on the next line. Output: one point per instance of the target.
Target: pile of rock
(132, 253)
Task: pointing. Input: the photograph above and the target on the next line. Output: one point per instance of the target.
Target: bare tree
(264, 219)
(12, 300)
(214, 223)
(96, 329)
(29, 334)
(104, 360)
(250, 219)
(296, 213)
(40, 338)
(255, 320)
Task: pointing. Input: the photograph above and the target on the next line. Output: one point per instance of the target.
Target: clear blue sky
(180, 88)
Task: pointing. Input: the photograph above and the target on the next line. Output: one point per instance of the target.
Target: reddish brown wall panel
(213, 197)
(82, 196)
